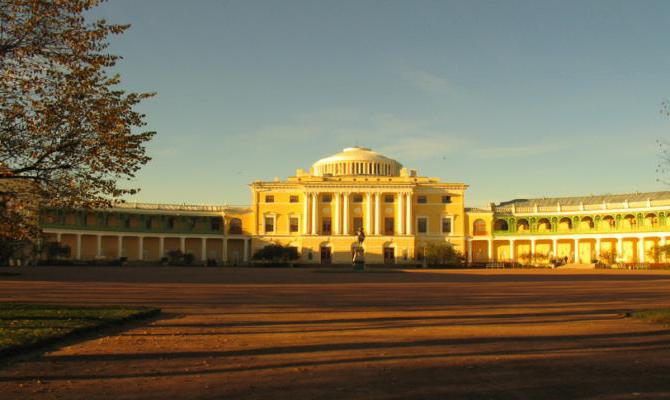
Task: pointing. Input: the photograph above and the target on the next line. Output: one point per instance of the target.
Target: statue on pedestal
(359, 252)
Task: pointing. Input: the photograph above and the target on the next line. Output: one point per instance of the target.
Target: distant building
(319, 212)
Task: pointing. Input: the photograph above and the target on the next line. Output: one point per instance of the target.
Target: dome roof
(357, 161)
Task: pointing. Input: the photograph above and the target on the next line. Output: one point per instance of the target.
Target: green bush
(276, 253)
(442, 254)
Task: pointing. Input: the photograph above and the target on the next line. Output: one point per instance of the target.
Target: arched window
(608, 222)
(543, 225)
(479, 227)
(500, 225)
(630, 221)
(586, 223)
(91, 219)
(522, 225)
(235, 226)
(651, 220)
(564, 224)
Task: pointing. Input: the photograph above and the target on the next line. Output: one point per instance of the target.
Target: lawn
(28, 326)
(660, 316)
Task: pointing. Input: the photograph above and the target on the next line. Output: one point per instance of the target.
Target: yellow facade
(320, 210)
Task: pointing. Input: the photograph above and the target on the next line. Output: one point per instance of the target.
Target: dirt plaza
(241, 333)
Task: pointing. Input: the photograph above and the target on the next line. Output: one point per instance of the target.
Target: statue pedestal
(359, 260)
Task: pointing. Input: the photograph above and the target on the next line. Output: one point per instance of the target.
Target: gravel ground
(243, 333)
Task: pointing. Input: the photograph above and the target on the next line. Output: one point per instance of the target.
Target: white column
(368, 214)
(182, 245)
(224, 251)
(315, 206)
(119, 246)
(376, 215)
(408, 214)
(399, 205)
(511, 250)
(58, 237)
(245, 257)
(663, 255)
(140, 241)
(576, 255)
(619, 248)
(598, 248)
(640, 249)
(161, 247)
(305, 216)
(203, 249)
(554, 247)
(490, 250)
(345, 216)
(469, 250)
(532, 247)
(336, 214)
(98, 245)
(78, 247)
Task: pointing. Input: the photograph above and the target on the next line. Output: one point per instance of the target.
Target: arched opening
(235, 226)
(91, 219)
(608, 222)
(586, 223)
(500, 225)
(479, 227)
(651, 220)
(543, 225)
(629, 221)
(564, 224)
(522, 225)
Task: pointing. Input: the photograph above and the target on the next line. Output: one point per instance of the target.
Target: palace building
(319, 212)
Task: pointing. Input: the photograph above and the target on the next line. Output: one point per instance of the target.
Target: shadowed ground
(296, 334)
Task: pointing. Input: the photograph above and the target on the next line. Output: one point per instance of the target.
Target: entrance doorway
(389, 255)
(326, 256)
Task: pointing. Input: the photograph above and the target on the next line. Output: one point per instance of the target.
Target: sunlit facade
(319, 211)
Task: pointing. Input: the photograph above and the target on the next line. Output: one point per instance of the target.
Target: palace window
(358, 223)
(235, 226)
(170, 223)
(325, 226)
(148, 223)
(500, 225)
(293, 199)
(479, 227)
(215, 224)
(293, 224)
(422, 225)
(421, 200)
(446, 225)
(269, 224)
(326, 198)
(388, 198)
(388, 225)
(446, 199)
(269, 199)
(357, 198)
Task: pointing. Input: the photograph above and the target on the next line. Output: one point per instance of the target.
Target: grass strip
(26, 327)
(658, 316)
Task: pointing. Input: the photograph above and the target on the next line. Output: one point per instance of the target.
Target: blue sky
(515, 98)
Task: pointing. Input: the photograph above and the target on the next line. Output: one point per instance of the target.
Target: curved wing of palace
(319, 212)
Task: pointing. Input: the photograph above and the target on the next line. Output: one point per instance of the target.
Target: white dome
(357, 161)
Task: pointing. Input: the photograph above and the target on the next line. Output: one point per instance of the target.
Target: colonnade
(161, 244)
(640, 240)
(342, 215)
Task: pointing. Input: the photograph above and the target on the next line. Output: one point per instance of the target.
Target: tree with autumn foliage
(68, 134)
